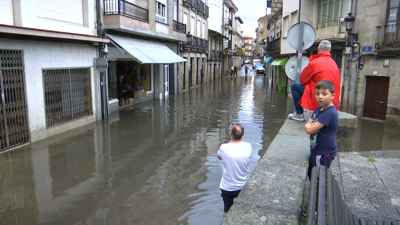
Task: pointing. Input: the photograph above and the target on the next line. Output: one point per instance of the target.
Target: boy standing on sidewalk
(322, 127)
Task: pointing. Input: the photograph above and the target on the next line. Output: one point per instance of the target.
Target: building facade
(249, 47)
(194, 14)
(49, 82)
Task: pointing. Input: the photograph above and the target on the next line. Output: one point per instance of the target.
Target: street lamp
(349, 20)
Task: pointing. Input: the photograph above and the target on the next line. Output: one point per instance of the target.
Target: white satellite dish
(308, 36)
(292, 66)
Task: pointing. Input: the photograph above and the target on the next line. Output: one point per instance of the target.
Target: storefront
(145, 65)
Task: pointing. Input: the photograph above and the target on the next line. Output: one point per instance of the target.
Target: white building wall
(30, 15)
(289, 10)
(46, 55)
(215, 12)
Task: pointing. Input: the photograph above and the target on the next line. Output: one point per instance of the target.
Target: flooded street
(154, 163)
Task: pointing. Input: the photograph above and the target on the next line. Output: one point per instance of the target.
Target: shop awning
(279, 62)
(269, 59)
(145, 51)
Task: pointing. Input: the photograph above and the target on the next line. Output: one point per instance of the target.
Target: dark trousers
(325, 160)
(297, 92)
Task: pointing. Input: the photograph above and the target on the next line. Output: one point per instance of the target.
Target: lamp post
(349, 20)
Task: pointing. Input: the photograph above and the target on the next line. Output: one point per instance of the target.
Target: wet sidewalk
(274, 192)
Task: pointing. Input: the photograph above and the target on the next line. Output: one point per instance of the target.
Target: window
(198, 28)
(285, 26)
(67, 94)
(185, 18)
(328, 13)
(204, 30)
(161, 13)
(393, 16)
(192, 24)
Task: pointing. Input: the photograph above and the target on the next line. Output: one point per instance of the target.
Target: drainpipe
(357, 68)
(350, 66)
(103, 96)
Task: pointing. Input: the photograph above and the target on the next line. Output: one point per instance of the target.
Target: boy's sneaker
(295, 116)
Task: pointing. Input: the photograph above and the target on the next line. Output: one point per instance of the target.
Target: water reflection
(155, 165)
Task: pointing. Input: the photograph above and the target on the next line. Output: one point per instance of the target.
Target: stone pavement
(274, 192)
(370, 182)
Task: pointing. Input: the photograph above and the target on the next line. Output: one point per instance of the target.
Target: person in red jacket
(321, 67)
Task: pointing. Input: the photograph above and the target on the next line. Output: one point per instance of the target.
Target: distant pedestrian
(235, 70)
(235, 156)
(246, 70)
(232, 70)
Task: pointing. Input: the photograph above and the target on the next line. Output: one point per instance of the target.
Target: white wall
(289, 7)
(29, 16)
(215, 12)
(44, 55)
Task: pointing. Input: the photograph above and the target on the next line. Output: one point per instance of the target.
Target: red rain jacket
(321, 67)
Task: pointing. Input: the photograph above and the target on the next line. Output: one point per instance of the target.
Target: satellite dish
(308, 36)
(101, 64)
(291, 67)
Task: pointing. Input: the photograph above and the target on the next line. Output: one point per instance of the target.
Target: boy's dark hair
(237, 131)
(325, 84)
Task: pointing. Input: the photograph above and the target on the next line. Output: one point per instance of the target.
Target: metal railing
(213, 54)
(67, 94)
(219, 55)
(179, 27)
(228, 22)
(325, 197)
(388, 36)
(205, 44)
(195, 42)
(201, 4)
(189, 42)
(126, 8)
(201, 43)
(206, 10)
(196, 4)
(189, 1)
(274, 45)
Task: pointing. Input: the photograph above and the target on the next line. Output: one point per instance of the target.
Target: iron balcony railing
(212, 54)
(189, 1)
(196, 4)
(274, 45)
(219, 55)
(228, 22)
(195, 42)
(388, 36)
(201, 43)
(179, 27)
(206, 10)
(189, 42)
(201, 4)
(205, 44)
(125, 8)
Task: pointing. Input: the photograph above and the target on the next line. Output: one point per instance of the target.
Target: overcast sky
(250, 11)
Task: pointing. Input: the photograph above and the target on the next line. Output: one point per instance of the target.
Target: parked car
(260, 68)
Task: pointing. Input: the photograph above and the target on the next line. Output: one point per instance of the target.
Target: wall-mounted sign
(366, 49)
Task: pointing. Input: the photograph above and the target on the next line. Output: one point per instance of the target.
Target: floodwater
(154, 163)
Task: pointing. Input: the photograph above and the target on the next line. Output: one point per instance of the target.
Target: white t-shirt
(236, 158)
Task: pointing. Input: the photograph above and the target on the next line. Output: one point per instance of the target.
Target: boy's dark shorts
(228, 197)
(326, 161)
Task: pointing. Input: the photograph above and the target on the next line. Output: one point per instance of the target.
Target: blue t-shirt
(324, 142)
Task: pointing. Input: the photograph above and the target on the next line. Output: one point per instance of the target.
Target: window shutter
(67, 11)
(6, 12)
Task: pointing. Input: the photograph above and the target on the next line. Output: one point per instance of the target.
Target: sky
(250, 11)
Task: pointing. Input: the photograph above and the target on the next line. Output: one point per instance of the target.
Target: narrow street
(154, 163)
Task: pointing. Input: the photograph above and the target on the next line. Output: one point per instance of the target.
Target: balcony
(212, 54)
(195, 42)
(189, 42)
(201, 4)
(179, 27)
(274, 46)
(387, 38)
(228, 23)
(219, 55)
(196, 4)
(125, 8)
(206, 10)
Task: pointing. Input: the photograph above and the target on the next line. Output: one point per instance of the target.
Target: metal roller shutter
(68, 11)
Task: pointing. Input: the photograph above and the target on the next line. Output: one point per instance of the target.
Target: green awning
(279, 62)
(269, 59)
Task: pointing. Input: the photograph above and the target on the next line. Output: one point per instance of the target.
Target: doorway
(184, 76)
(13, 109)
(190, 72)
(166, 80)
(376, 95)
(171, 79)
(197, 72)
